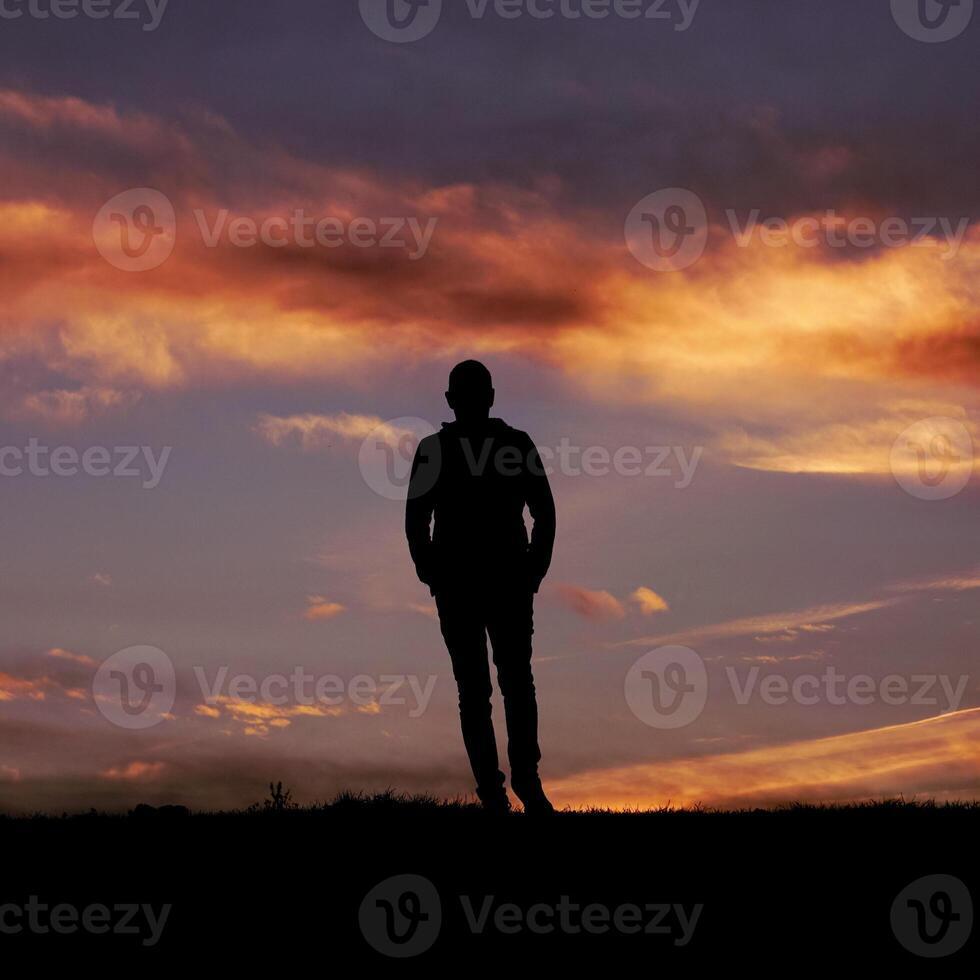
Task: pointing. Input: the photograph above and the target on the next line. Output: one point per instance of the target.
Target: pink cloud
(590, 604)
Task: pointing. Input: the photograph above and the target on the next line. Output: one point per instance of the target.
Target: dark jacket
(476, 483)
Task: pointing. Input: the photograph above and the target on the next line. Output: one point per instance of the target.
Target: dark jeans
(467, 616)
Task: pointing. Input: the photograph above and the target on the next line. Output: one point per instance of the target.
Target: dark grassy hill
(764, 890)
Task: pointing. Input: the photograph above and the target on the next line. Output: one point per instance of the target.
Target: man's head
(470, 393)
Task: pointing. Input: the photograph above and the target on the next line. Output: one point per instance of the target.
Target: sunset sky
(802, 406)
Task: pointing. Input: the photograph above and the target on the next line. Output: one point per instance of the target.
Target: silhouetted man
(475, 478)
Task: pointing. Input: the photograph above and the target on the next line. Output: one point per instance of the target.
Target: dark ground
(780, 889)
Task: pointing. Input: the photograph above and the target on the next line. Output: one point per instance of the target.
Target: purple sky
(777, 393)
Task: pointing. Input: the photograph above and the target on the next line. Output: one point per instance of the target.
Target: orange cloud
(13, 688)
(45, 113)
(591, 604)
(796, 360)
(78, 658)
(948, 583)
(260, 717)
(135, 771)
(853, 447)
(319, 608)
(773, 659)
(648, 601)
(941, 753)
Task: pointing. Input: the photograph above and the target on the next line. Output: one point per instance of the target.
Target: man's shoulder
(498, 429)
(429, 449)
(511, 434)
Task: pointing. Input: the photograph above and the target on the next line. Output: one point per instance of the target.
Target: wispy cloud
(767, 623)
(946, 583)
(314, 432)
(73, 407)
(856, 446)
(136, 770)
(79, 658)
(938, 756)
(786, 627)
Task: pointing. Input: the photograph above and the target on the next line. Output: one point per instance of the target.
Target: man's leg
(510, 623)
(463, 629)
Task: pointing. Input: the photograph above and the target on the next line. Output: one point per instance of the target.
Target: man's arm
(541, 505)
(418, 511)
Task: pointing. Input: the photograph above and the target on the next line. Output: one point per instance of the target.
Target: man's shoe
(536, 804)
(494, 800)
